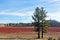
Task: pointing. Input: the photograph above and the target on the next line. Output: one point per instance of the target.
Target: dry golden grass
(25, 36)
(29, 35)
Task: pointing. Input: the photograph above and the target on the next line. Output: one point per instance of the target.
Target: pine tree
(40, 23)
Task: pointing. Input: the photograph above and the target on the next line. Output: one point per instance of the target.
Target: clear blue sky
(15, 11)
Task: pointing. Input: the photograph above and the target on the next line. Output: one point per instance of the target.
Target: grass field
(28, 36)
(20, 32)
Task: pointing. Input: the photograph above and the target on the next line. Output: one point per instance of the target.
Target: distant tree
(39, 21)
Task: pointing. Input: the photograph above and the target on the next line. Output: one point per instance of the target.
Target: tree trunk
(42, 32)
(38, 33)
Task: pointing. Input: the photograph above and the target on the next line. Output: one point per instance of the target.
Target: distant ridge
(54, 23)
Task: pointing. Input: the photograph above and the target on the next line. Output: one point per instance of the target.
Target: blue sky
(15, 11)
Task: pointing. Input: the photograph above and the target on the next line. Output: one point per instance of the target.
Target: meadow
(27, 32)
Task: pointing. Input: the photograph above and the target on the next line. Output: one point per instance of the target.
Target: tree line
(53, 23)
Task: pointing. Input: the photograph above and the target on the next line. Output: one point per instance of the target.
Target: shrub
(49, 38)
(54, 39)
(58, 38)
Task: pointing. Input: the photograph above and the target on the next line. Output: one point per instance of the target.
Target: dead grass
(29, 35)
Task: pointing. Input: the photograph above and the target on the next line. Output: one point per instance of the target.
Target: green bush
(49, 38)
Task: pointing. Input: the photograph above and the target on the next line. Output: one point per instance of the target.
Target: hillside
(54, 23)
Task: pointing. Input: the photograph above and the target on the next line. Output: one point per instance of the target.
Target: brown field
(28, 35)
(17, 32)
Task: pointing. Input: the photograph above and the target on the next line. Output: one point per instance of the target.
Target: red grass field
(27, 32)
(24, 29)
(54, 29)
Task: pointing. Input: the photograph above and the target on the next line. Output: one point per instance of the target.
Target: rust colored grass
(24, 29)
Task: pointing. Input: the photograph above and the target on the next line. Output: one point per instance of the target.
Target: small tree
(39, 20)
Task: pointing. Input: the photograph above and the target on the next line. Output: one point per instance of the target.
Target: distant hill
(54, 23)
